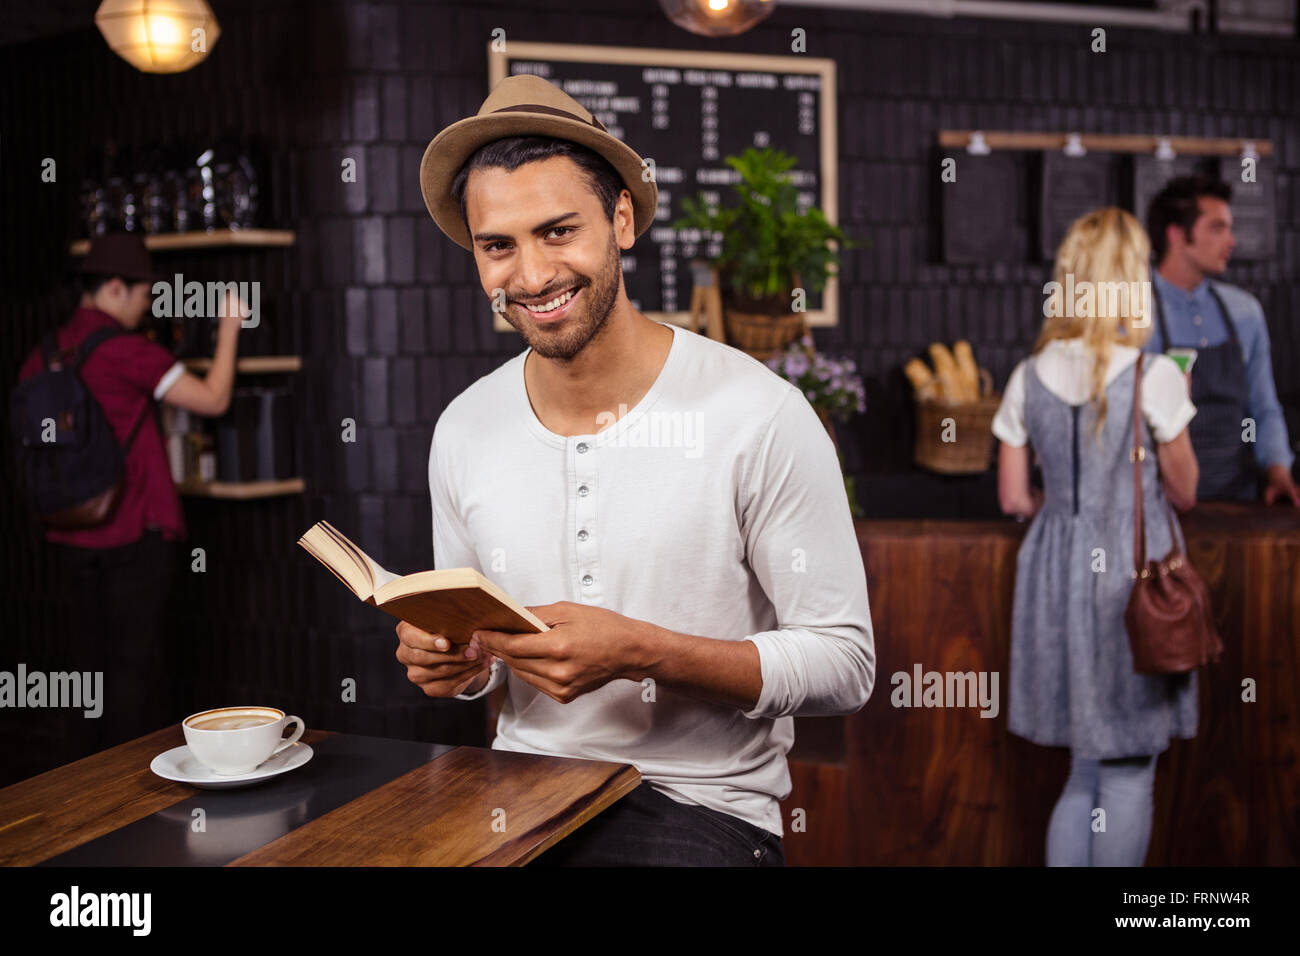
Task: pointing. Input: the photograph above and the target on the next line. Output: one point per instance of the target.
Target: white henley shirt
(715, 507)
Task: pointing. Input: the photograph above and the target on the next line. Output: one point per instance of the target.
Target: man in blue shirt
(1232, 380)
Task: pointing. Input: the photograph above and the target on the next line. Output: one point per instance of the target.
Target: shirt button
(1196, 320)
(757, 854)
(1204, 342)
(582, 447)
(582, 491)
(582, 535)
(587, 579)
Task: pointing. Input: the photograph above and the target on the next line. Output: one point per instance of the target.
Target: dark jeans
(646, 828)
(117, 600)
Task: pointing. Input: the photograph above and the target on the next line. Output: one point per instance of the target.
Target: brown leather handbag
(1170, 625)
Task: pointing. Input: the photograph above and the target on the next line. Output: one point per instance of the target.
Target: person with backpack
(95, 471)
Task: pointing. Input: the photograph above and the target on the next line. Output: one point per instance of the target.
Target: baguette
(923, 382)
(945, 370)
(967, 370)
(918, 373)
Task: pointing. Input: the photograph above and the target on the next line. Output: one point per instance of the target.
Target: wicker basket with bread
(955, 406)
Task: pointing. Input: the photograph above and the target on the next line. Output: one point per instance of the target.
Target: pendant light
(158, 36)
(717, 18)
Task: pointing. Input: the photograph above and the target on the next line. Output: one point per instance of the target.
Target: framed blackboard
(1071, 186)
(983, 217)
(1254, 209)
(686, 111)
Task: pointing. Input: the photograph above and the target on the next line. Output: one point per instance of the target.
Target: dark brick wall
(387, 313)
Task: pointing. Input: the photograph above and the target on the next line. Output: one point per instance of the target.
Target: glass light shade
(157, 36)
(717, 18)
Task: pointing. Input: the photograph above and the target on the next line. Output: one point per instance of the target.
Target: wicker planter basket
(971, 453)
(762, 336)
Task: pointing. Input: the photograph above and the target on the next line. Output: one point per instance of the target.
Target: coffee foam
(233, 718)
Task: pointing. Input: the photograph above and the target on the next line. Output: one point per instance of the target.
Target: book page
(338, 552)
(380, 575)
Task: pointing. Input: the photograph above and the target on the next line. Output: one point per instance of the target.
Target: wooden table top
(359, 801)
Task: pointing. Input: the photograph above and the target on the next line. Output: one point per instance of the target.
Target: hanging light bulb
(158, 36)
(717, 18)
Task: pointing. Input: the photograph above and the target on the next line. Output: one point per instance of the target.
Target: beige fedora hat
(525, 105)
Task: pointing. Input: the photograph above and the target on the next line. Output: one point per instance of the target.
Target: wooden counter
(939, 786)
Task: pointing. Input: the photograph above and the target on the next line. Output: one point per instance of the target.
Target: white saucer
(180, 765)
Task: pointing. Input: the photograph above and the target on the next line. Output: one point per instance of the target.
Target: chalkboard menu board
(982, 212)
(686, 111)
(1072, 186)
(1254, 209)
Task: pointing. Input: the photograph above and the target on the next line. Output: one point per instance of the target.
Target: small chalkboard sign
(981, 211)
(1071, 186)
(1254, 209)
(686, 111)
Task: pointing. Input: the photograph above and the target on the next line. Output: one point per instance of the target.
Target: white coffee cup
(237, 740)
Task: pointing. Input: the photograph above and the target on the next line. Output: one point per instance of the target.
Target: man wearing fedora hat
(655, 484)
(117, 573)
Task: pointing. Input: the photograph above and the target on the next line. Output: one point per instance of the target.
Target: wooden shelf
(165, 241)
(242, 489)
(1106, 143)
(252, 364)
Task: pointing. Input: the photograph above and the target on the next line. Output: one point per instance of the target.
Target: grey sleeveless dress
(1072, 680)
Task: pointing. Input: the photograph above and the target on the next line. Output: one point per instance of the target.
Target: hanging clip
(1165, 149)
(977, 146)
(1074, 145)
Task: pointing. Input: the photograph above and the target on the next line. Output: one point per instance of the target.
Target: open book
(455, 602)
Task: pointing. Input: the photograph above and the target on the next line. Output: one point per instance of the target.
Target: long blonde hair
(1107, 251)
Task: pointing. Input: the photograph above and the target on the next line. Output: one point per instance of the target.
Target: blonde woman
(1072, 680)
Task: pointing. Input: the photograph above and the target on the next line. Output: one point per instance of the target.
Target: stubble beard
(571, 334)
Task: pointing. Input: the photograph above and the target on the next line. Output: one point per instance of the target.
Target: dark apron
(1221, 394)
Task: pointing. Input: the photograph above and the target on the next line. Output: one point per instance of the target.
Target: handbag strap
(1137, 454)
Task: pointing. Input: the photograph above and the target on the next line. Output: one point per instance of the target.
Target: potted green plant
(769, 249)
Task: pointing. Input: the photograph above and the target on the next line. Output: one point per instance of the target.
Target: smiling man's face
(541, 235)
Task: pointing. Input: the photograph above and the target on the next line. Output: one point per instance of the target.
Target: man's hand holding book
(438, 667)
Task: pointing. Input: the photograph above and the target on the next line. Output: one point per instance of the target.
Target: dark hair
(514, 151)
(1177, 205)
